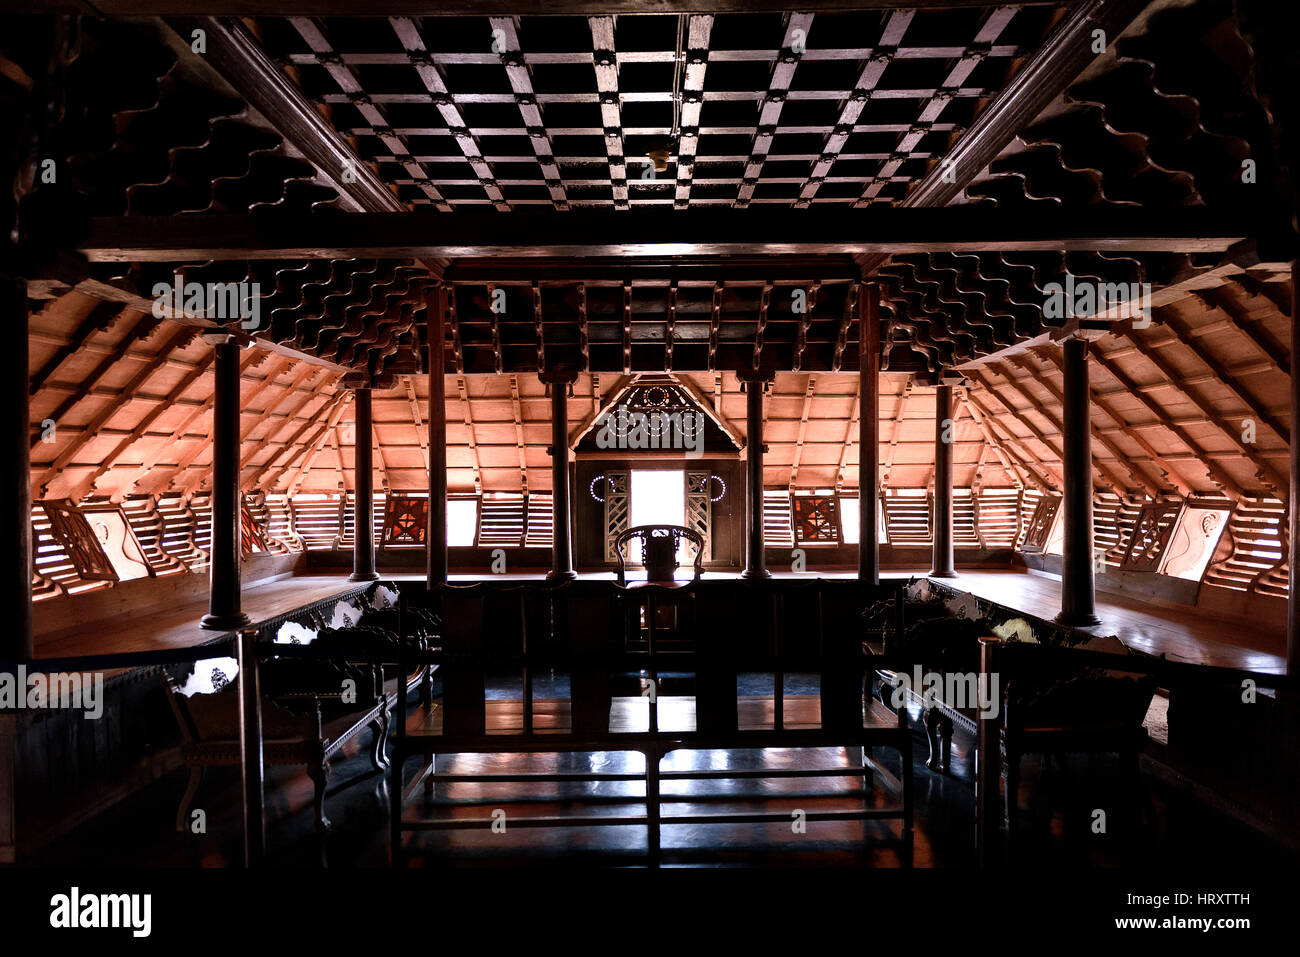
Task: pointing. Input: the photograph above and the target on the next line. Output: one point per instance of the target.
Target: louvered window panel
(778, 528)
(501, 520)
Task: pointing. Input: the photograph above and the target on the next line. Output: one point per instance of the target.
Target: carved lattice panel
(699, 511)
(406, 520)
(816, 519)
(1040, 525)
(1155, 523)
(80, 543)
(618, 503)
(117, 538)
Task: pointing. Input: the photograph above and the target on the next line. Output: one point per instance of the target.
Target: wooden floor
(1182, 634)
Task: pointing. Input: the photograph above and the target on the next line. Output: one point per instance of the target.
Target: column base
(225, 622)
(1077, 619)
(567, 575)
(363, 577)
(751, 574)
(944, 573)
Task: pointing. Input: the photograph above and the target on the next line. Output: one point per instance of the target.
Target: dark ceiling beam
(656, 272)
(1046, 75)
(434, 8)
(727, 232)
(236, 55)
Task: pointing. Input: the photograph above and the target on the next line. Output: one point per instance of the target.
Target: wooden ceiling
(131, 400)
(486, 131)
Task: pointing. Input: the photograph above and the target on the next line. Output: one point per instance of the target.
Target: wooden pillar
(436, 573)
(363, 545)
(943, 439)
(1293, 491)
(561, 518)
(869, 433)
(224, 613)
(1078, 601)
(755, 560)
(16, 477)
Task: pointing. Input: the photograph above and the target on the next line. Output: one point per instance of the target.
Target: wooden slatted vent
(501, 519)
(541, 531)
(317, 519)
(180, 532)
(147, 522)
(907, 516)
(778, 523)
(997, 517)
(1258, 558)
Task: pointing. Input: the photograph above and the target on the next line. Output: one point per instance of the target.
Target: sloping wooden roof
(281, 117)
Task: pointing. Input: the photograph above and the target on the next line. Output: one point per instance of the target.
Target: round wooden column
(436, 532)
(755, 559)
(15, 479)
(561, 518)
(1078, 599)
(1293, 516)
(868, 433)
(363, 544)
(224, 613)
(943, 439)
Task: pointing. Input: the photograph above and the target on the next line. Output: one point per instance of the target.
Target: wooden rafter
(1225, 375)
(317, 444)
(1266, 472)
(1168, 473)
(270, 473)
(537, 323)
(715, 320)
(1014, 467)
(627, 328)
(143, 328)
(517, 406)
(670, 326)
(1118, 469)
(246, 457)
(1010, 439)
(148, 419)
(178, 340)
(1214, 472)
(102, 317)
(803, 428)
(846, 320)
(895, 433)
(468, 412)
(760, 330)
(421, 433)
(1020, 416)
(805, 321)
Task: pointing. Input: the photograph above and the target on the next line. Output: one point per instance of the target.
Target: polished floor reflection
(1057, 826)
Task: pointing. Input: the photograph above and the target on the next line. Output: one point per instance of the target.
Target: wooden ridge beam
(430, 8)
(1036, 83)
(657, 233)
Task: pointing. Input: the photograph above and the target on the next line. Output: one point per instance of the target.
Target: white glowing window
(462, 520)
(658, 498)
(849, 514)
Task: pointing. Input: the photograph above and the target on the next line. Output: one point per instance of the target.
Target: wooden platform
(1182, 634)
(178, 626)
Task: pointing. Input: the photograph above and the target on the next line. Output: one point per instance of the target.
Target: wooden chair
(659, 545)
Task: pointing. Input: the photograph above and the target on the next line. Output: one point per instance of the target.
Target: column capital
(756, 375)
(558, 375)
